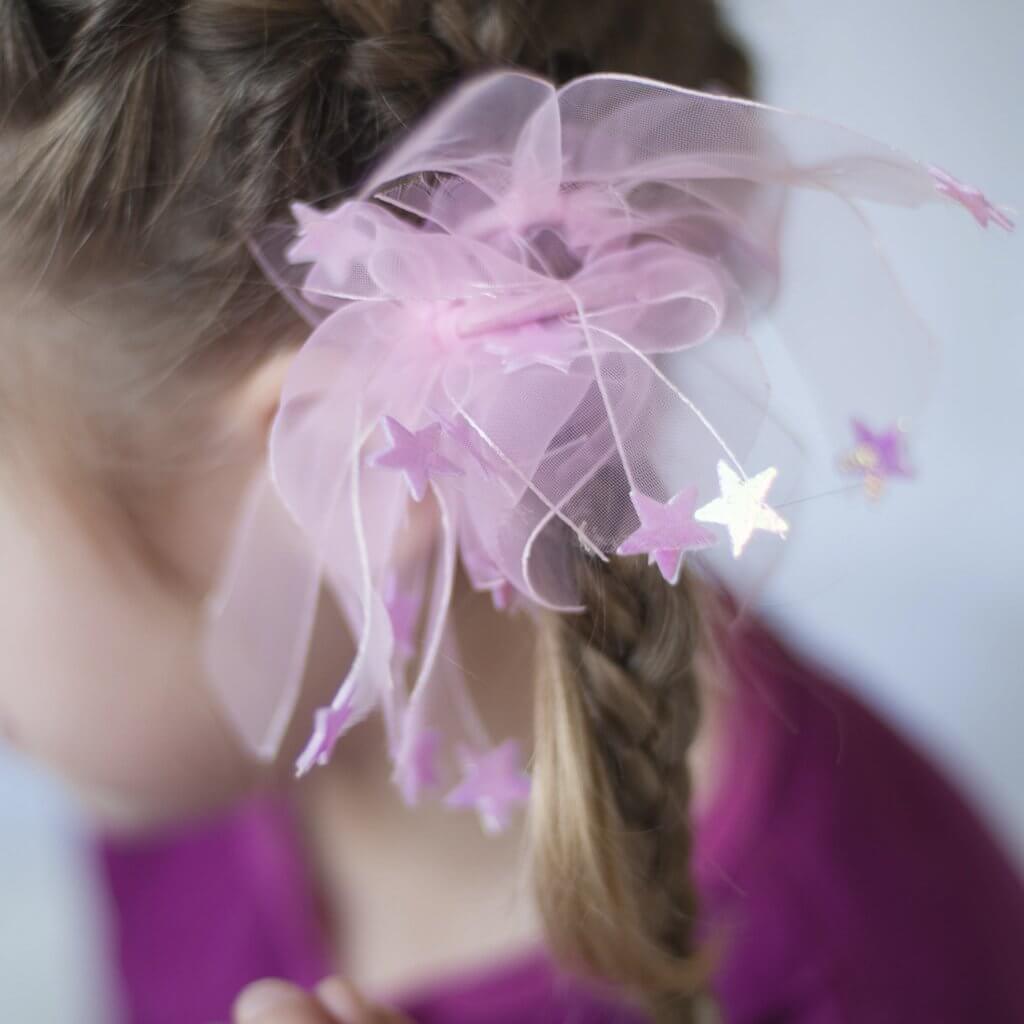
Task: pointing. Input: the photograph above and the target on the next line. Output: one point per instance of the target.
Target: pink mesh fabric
(536, 316)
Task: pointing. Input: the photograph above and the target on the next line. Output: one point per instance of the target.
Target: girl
(792, 860)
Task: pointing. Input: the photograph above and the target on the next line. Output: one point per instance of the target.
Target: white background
(927, 612)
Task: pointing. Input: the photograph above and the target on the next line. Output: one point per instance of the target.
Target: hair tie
(536, 316)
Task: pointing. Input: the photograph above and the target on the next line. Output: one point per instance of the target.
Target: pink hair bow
(535, 318)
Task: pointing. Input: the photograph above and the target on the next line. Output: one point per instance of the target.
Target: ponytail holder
(536, 319)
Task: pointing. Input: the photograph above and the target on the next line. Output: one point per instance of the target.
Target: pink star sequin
(667, 532)
(551, 344)
(319, 234)
(485, 575)
(981, 208)
(876, 457)
(328, 725)
(404, 612)
(493, 783)
(467, 439)
(417, 455)
(418, 772)
(503, 594)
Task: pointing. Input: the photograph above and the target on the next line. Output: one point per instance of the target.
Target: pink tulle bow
(534, 319)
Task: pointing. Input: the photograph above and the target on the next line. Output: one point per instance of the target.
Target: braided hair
(141, 141)
(617, 713)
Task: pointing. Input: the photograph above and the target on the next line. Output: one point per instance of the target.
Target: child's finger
(276, 1002)
(348, 1004)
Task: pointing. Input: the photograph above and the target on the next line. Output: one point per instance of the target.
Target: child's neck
(420, 893)
(424, 892)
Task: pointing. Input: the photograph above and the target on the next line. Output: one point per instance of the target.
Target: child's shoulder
(842, 851)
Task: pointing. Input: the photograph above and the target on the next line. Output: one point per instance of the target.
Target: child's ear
(255, 401)
(191, 526)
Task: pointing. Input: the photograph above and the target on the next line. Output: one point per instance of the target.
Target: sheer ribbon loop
(532, 330)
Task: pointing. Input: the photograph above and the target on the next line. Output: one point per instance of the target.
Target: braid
(168, 131)
(95, 157)
(305, 93)
(26, 72)
(617, 713)
(149, 138)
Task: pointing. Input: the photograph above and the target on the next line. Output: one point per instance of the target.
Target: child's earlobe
(257, 396)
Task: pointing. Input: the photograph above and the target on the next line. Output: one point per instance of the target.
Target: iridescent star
(328, 726)
(981, 208)
(418, 772)
(667, 532)
(547, 344)
(877, 457)
(741, 509)
(417, 455)
(493, 783)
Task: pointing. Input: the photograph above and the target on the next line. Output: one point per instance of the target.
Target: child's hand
(333, 1002)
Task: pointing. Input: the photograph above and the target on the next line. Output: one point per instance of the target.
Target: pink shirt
(854, 883)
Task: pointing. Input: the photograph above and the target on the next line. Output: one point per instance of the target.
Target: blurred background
(927, 616)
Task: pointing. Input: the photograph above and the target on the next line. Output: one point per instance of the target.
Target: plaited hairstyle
(140, 141)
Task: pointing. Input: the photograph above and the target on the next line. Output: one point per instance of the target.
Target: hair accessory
(534, 321)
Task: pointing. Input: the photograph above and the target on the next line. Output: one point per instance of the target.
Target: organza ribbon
(535, 317)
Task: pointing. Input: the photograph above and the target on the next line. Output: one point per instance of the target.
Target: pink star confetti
(485, 575)
(503, 594)
(478, 564)
(551, 344)
(467, 439)
(418, 772)
(417, 455)
(741, 509)
(319, 234)
(328, 726)
(980, 207)
(667, 532)
(404, 612)
(877, 457)
(493, 783)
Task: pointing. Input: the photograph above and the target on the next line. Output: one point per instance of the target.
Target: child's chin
(126, 812)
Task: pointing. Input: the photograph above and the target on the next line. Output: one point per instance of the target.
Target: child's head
(141, 354)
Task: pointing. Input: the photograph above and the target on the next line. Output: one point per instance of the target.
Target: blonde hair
(141, 143)
(617, 713)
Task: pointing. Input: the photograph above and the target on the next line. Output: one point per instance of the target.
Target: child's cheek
(99, 677)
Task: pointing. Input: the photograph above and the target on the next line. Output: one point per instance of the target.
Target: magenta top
(852, 881)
